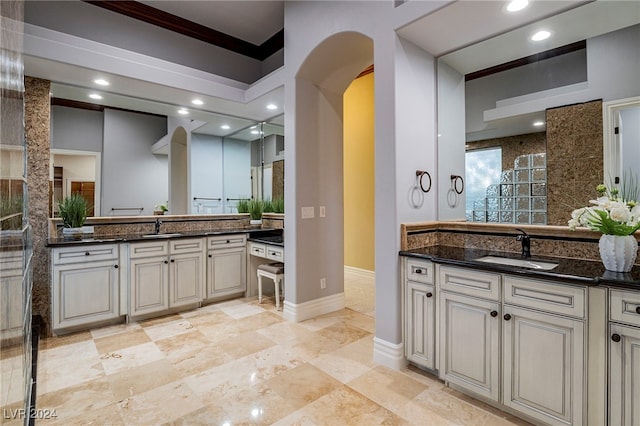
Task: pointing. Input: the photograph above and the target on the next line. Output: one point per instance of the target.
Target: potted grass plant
(73, 212)
(242, 206)
(256, 208)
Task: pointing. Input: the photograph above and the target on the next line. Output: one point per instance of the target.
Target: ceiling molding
(527, 60)
(70, 103)
(168, 21)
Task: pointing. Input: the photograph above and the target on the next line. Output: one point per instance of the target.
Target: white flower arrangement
(615, 212)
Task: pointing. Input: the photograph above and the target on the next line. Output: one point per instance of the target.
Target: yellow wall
(359, 174)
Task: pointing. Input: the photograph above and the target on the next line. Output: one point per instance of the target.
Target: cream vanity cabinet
(469, 307)
(420, 314)
(165, 275)
(624, 357)
(85, 285)
(226, 265)
(515, 341)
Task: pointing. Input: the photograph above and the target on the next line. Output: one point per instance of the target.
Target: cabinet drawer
(546, 296)
(225, 241)
(62, 256)
(470, 282)
(275, 253)
(624, 306)
(257, 249)
(420, 271)
(152, 248)
(186, 246)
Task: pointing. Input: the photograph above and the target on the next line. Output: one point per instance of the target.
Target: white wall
(314, 146)
(237, 170)
(76, 129)
(206, 172)
(131, 175)
(630, 140)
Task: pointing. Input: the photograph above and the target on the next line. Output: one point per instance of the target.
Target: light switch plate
(308, 212)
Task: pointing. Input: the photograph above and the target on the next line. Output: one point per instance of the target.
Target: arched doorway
(315, 264)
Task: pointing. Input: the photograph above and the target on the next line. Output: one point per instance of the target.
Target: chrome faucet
(526, 243)
(157, 226)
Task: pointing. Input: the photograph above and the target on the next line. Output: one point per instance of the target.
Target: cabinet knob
(507, 317)
(228, 241)
(418, 271)
(615, 338)
(87, 253)
(116, 266)
(210, 255)
(172, 260)
(494, 313)
(638, 310)
(166, 261)
(429, 294)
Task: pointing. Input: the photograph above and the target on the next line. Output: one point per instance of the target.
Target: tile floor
(239, 362)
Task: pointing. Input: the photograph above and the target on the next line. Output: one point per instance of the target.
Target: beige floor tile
(66, 339)
(274, 361)
(160, 320)
(302, 385)
(193, 360)
(137, 380)
(245, 344)
(168, 329)
(61, 373)
(343, 333)
(105, 416)
(97, 333)
(131, 357)
(224, 380)
(116, 342)
(286, 333)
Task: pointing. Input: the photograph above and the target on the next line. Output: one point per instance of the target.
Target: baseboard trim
(296, 312)
(389, 354)
(365, 273)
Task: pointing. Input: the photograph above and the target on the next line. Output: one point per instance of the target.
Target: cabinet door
(624, 376)
(543, 360)
(186, 275)
(420, 324)
(85, 293)
(149, 285)
(226, 271)
(469, 344)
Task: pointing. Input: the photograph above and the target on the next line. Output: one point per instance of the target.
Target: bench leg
(259, 288)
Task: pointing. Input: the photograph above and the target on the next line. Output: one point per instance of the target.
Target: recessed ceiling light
(516, 5)
(183, 111)
(541, 35)
(272, 106)
(101, 82)
(197, 102)
(225, 127)
(95, 96)
(538, 123)
(255, 132)
(253, 127)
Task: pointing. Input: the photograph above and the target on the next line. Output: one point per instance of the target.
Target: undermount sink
(523, 263)
(160, 235)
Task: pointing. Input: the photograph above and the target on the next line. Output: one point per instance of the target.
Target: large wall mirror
(525, 123)
(127, 161)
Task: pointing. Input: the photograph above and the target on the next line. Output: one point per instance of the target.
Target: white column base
(389, 354)
(296, 312)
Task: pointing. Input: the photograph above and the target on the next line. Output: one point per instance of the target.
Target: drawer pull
(87, 254)
(228, 241)
(615, 338)
(210, 255)
(507, 317)
(172, 260)
(166, 261)
(638, 310)
(116, 266)
(418, 271)
(429, 294)
(494, 314)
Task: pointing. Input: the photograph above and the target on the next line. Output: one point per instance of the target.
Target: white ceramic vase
(618, 252)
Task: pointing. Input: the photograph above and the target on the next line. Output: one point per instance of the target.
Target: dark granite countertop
(275, 240)
(585, 272)
(252, 233)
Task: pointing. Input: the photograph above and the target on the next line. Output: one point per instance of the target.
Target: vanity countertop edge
(573, 271)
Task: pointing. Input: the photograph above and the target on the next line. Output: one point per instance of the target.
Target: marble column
(37, 118)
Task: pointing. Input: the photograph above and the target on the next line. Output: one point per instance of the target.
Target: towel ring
(454, 183)
(420, 174)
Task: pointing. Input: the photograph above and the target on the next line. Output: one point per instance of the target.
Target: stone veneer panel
(37, 124)
(574, 158)
(277, 185)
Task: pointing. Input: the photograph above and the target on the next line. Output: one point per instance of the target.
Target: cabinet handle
(615, 338)
(172, 260)
(87, 253)
(166, 261)
(494, 313)
(429, 294)
(638, 310)
(507, 317)
(116, 266)
(418, 271)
